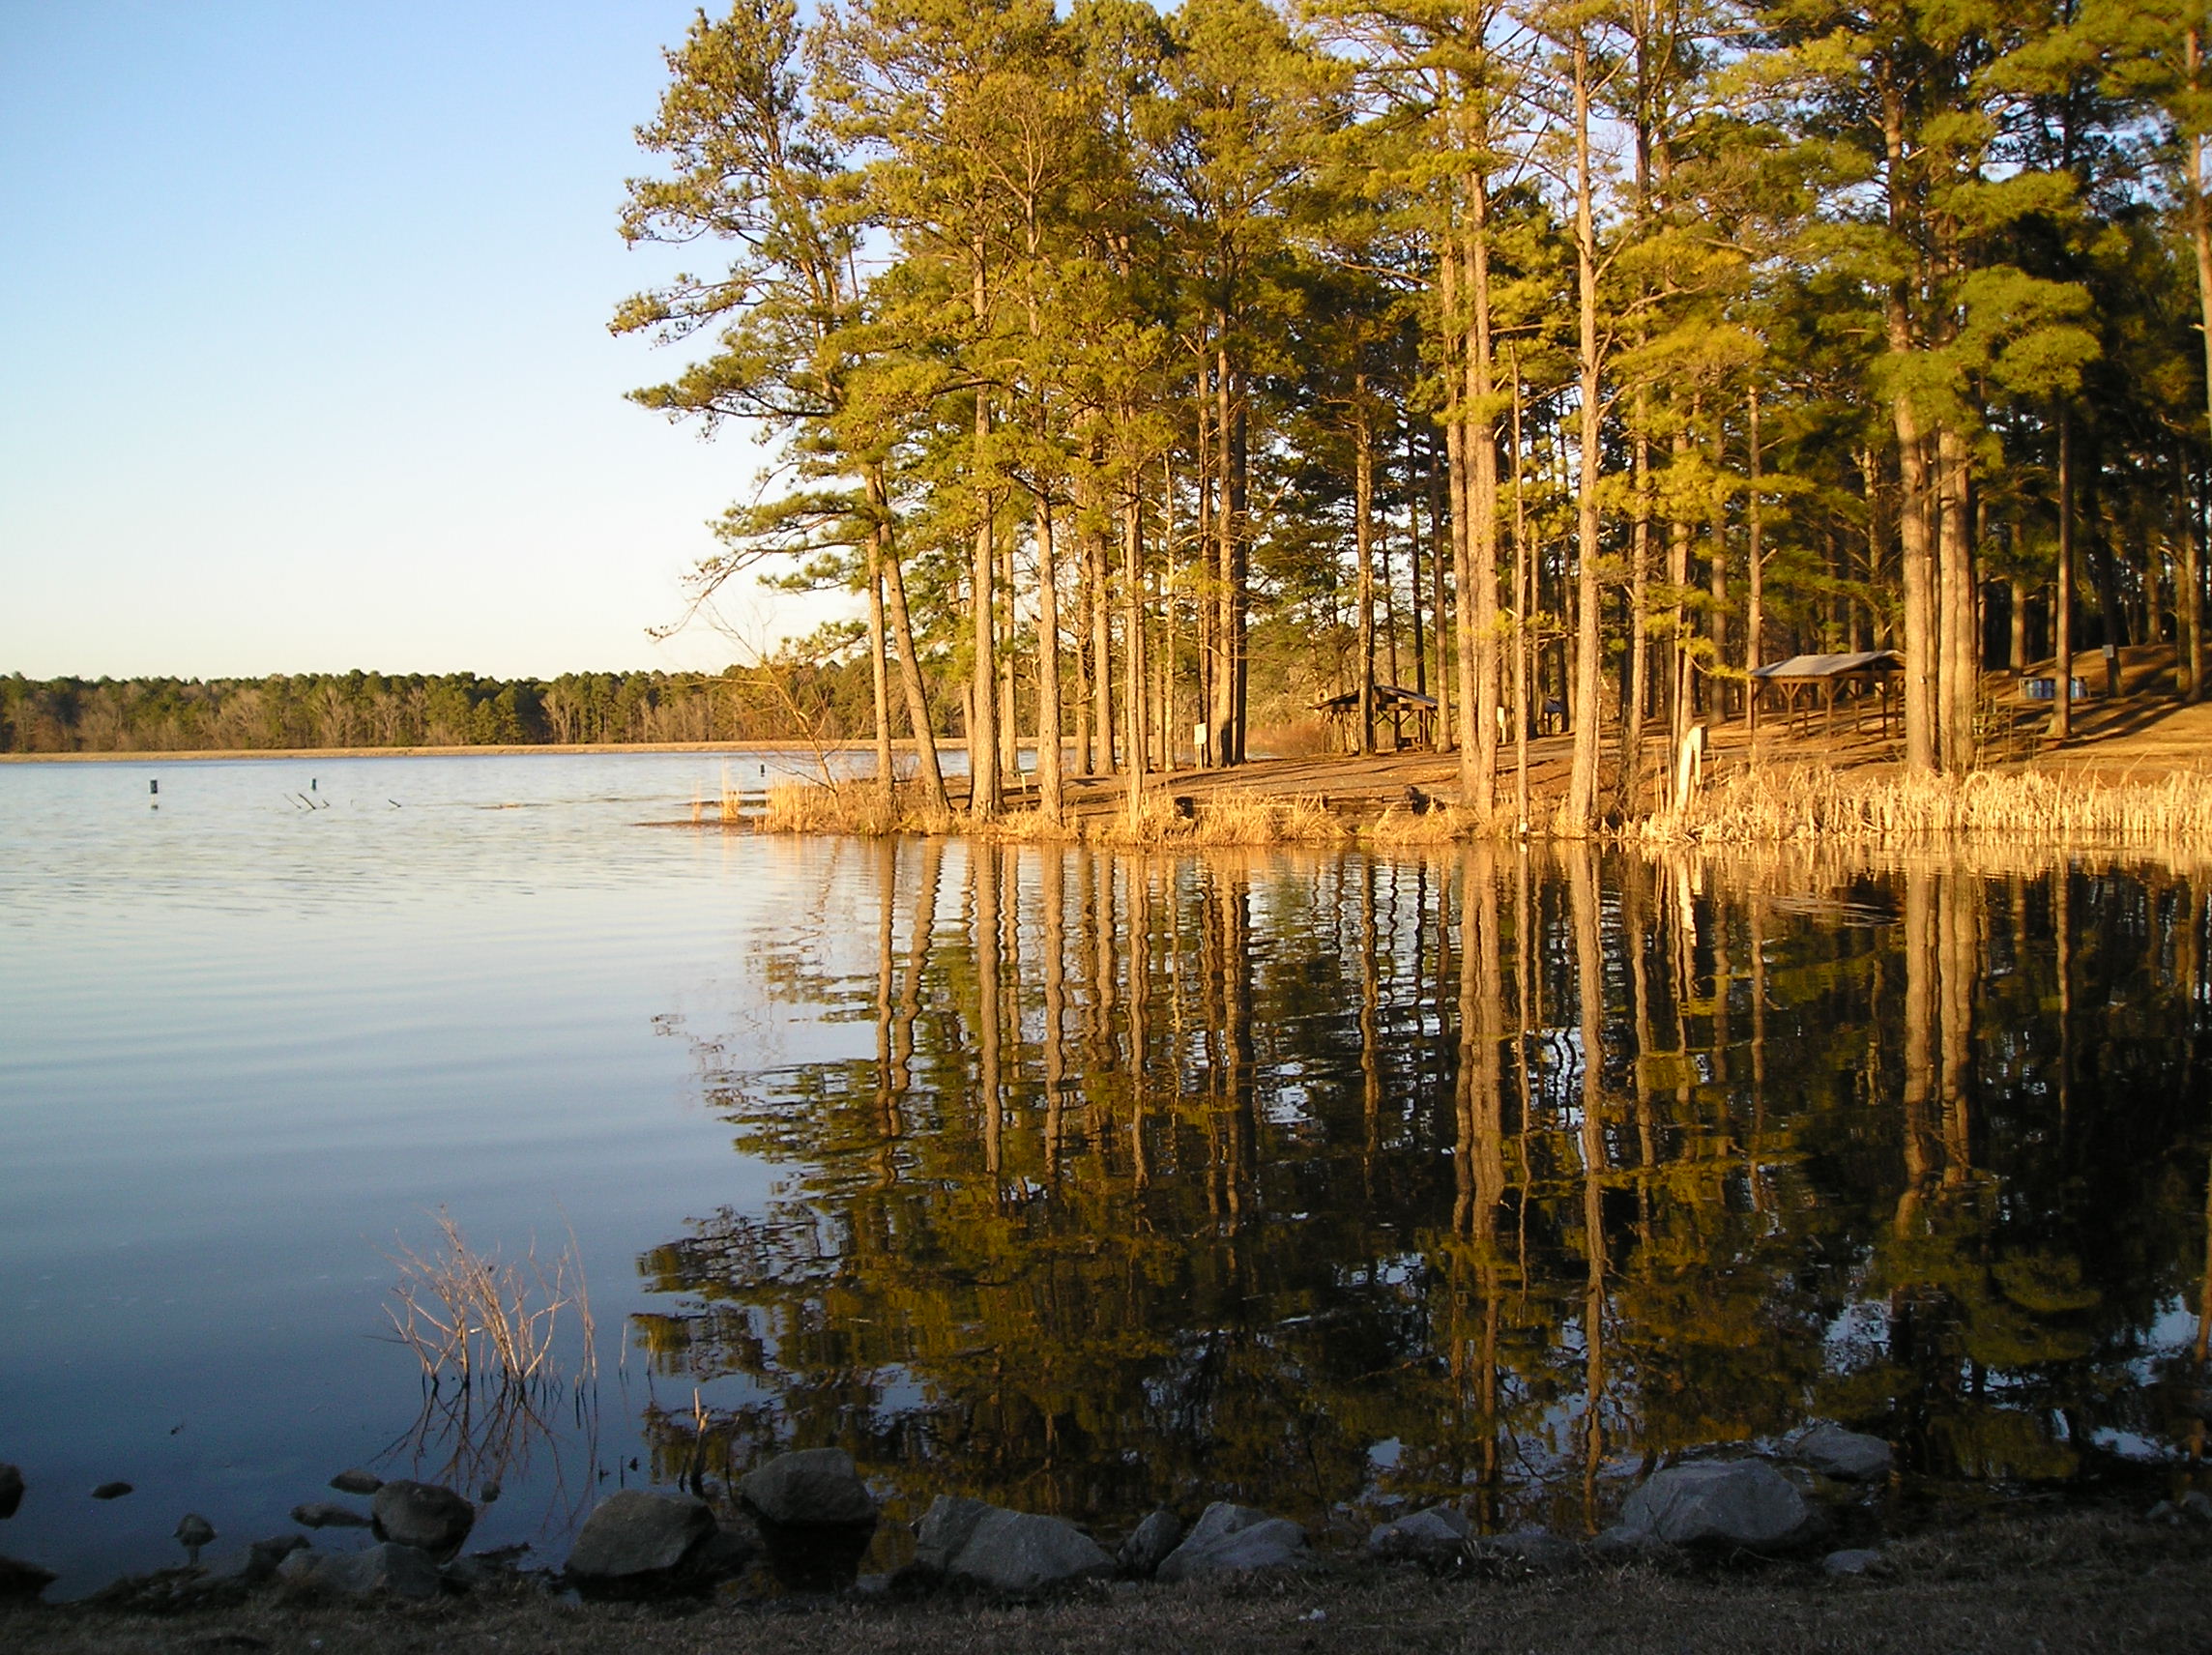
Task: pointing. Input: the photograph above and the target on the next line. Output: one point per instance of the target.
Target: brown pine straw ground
(2137, 769)
(2145, 735)
(2071, 1581)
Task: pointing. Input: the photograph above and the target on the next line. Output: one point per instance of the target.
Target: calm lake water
(1080, 1181)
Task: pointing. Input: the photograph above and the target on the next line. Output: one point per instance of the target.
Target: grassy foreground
(2080, 1581)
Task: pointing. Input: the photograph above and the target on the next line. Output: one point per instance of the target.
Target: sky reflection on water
(1311, 1200)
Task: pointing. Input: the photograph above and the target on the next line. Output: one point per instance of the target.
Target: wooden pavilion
(1393, 702)
(1860, 677)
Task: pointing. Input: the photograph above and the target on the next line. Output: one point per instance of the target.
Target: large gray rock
(1438, 1535)
(1235, 1539)
(385, 1570)
(20, 1581)
(10, 1490)
(636, 1533)
(264, 1558)
(1849, 1455)
(811, 1487)
(1719, 1502)
(322, 1514)
(945, 1529)
(422, 1515)
(1006, 1550)
(1150, 1543)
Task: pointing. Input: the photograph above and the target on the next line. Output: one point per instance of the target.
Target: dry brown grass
(1244, 818)
(1438, 825)
(820, 807)
(1237, 817)
(1779, 805)
(1776, 804)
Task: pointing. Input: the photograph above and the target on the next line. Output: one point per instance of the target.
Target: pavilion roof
(1386, 696)
(1862, 663)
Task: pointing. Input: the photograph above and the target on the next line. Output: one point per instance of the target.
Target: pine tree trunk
(1914, 530)
(1135, 739)
(1877, 541)
(2201, 239)
(1009, 731)
(1915, 516)
(1682, 707)
(1364, 543)
(1048, 739)
(2062, 596)
(982, 726)
(879, 682)
(2188, 614)
(1437, 531)
(1237, 523)
(1478, 604)
(1413, 566)
(1086, 610)
(1100, 760)
(2113, 622)
(1636, 694)
(1962, 630)
(1755, 571)
(1522, 597)
(1223, 721)
(1580, 811)
(1202, 591)
(917, 694)
(1452, 687)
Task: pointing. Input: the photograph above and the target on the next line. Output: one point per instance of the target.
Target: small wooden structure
(1861, 670)
(1392, 701)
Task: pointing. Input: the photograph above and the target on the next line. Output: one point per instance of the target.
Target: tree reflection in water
(1304, 1180)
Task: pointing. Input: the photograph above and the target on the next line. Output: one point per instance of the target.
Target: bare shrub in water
(479, 1317)
(496, 1330)
(854, 807)
(803, 807)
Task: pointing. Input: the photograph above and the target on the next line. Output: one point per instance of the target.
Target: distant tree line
(785, 699)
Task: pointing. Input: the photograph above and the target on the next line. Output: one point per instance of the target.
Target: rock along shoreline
(800, 1525)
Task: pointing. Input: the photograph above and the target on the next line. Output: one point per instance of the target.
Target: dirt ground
(2144, 735)
(2067, 1581)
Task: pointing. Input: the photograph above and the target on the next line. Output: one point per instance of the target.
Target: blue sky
(303, 351)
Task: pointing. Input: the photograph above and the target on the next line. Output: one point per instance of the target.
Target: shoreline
(2114, 795)
(1988, 1584)
(1289, 802)
(205, 755)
